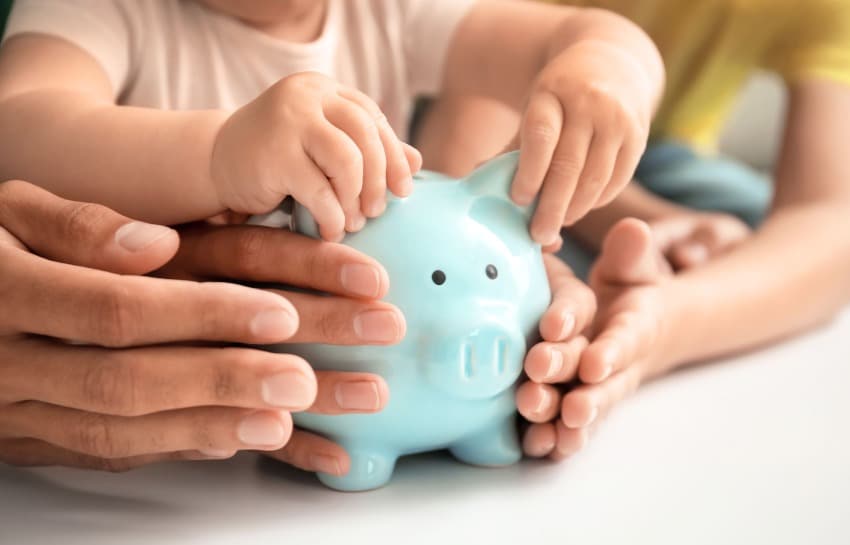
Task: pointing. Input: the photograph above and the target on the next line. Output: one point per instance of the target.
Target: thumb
(629, 256)
(85, 234)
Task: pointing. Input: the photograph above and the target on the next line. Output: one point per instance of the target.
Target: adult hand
(693, 238)
(126, 392)
(629, 344)
(347, 312)
(552, 363)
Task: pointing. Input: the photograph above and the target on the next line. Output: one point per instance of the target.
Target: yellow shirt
(711, 47)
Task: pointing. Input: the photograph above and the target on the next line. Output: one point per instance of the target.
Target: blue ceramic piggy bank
(471, 284)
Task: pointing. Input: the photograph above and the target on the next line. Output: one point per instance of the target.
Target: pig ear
(493, 179)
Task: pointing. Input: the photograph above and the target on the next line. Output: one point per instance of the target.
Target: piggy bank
(472, 286)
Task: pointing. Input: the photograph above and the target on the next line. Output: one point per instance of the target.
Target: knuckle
(541, 132)
(113, 465)
(80, 220)
(110, 385)
(13, 188)
(250, 252)
(202, 434)
(565, 167)
(301, 81)
(350, 159)
(95, 436)
(314, 264)
(364, 122)
(600, 93)
(327, 325)
(324, 195)
(116, 316)
(596, 96)
(223, 383)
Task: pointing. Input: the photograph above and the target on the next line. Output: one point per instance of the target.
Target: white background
(751, 450)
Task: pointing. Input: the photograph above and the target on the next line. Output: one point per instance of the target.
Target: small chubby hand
(327, 145)
(582, 134)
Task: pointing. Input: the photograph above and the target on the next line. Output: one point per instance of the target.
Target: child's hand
(327, 145)
(554, 360)
(583, 131)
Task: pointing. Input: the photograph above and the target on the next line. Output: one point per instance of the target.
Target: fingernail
(538, 450)
(522, 199)
(358, 396)
(377, 326)
(543, 403)
(356, 223)
(608, 359)
(556, 363)
(406, 187)
(137, 236)
(550, 238)
(289, 390)
(606, 371)
(325, 464)
(376, 208)
(216, 453)
(362, 280)
(594, 412)
(569, 324)
(274, 324)
(261, 430)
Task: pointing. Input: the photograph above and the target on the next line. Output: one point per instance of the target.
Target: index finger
(70, 302)
(263, 254)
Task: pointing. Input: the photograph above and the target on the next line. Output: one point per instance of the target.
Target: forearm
(634, 202)
(530, 36)
(791, 275)
(457, 133)
(149, 164)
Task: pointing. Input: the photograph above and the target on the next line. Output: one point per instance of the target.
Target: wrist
(215, 174)
(680, 326)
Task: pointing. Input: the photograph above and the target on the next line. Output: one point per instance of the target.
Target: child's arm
(587, 82)
(61, 129)
(326, 145)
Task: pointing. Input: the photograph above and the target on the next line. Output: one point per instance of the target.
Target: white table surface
(750, 450)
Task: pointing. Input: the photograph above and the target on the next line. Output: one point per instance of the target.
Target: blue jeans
(676, 173)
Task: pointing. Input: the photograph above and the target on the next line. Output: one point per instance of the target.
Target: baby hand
(583, 131)
(327, 145)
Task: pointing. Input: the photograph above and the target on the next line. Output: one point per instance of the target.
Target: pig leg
(496, 445)
(370, 468)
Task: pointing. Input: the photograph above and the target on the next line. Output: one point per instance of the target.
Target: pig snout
(477, 365)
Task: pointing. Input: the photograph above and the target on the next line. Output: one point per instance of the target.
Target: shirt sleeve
(428, 27)
(98, 27)
(816, 43)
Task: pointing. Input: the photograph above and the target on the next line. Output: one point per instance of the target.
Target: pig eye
(491, 271)
(439, 277)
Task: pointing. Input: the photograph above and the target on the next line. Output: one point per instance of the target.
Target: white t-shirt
(181, 55)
